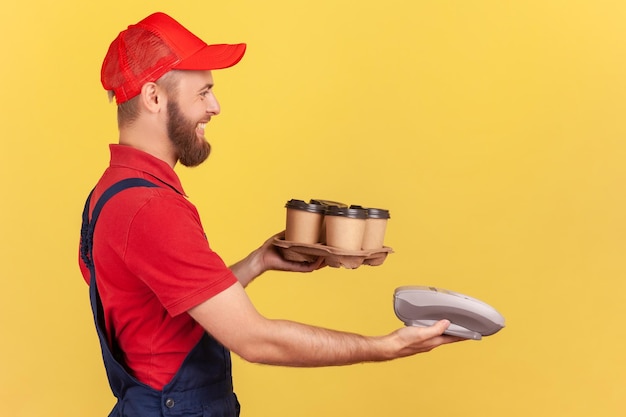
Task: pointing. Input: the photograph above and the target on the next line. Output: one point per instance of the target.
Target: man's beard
(182, 132)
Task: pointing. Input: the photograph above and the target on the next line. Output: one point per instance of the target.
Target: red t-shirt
(153, 263)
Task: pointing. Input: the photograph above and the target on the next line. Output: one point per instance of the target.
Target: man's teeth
(201, 125)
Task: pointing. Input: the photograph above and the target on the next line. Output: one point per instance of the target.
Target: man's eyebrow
(206, 87)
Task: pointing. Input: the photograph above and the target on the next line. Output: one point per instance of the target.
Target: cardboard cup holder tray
(334, 257)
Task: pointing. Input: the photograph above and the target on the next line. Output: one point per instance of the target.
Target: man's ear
(152, 97)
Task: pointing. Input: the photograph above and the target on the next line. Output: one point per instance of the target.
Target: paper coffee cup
(345, 227)
(303, 222)
(326, 204)
(375, 228)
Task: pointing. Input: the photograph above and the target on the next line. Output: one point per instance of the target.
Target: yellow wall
(494, 132)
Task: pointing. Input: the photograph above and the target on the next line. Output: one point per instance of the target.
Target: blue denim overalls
(203, 384)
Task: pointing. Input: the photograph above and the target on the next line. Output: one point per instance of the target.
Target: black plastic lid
(302, 205)
(374, 213)
(353, 213)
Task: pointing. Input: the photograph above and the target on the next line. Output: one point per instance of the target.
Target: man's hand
(267, 258)
(413, 339)
(273, 260)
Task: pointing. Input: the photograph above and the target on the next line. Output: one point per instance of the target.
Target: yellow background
(493, 131)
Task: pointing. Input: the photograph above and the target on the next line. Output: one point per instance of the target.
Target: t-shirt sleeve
(168, 250)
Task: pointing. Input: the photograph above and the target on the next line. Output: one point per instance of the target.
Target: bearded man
(167, 309)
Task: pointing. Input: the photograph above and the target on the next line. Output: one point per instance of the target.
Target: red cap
(146, 51)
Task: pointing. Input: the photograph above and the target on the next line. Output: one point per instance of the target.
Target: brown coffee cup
(326, 204)
(375, 228)
(303, 222)
(345, 227)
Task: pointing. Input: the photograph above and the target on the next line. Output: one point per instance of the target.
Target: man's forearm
(294, 344)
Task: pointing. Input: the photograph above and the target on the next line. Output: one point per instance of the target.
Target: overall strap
(119, 380)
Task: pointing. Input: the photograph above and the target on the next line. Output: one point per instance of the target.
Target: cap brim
(212, 57)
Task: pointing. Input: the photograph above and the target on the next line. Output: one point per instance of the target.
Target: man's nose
(213, 106)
